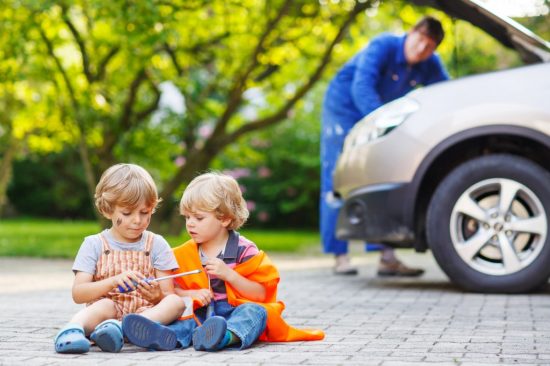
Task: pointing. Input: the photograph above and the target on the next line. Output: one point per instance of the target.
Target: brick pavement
(368, 321)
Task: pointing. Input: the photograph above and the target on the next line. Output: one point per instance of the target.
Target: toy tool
(152, 279)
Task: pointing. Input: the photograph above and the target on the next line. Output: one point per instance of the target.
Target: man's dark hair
(431, 27)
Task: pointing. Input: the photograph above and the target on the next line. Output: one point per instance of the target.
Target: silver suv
(461, 168)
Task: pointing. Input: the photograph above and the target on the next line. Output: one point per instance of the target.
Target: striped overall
(113, 262)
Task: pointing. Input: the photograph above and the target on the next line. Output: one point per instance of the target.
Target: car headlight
(380, 122)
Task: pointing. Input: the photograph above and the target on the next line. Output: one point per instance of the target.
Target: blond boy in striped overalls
(111, 266)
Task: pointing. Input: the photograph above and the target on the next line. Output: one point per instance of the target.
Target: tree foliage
(29, 119)
(92, 77)
(107, 61)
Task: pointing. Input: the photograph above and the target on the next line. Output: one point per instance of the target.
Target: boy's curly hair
(126, 185)
(217, 193)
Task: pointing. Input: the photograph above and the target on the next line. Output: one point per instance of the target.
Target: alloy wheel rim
(498, 226)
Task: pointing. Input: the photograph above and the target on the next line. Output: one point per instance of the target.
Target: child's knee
(256, 307)
(106, 305)
(262, 312)
(104, 308)
(258, 310)
(176, 302)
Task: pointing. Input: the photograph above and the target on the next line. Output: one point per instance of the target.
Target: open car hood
(510, 33)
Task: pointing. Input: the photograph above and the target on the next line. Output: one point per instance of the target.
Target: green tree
(88, 75)
(108, 61)
(29, 121)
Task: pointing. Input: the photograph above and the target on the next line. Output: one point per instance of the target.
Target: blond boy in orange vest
(235, 296)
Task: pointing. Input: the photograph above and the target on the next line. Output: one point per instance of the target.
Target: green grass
(61, 239)
(289, 241)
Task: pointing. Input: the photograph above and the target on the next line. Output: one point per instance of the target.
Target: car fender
(422, 174)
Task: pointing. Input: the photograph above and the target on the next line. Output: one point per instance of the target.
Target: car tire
(487, 224)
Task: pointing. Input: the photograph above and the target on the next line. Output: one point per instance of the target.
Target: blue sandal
(108, 336)
(71, 339)
(210, 334)
(149, 334)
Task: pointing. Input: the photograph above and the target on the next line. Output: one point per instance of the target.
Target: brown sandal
(386, 269)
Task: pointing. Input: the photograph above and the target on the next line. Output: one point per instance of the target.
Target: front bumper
(377, 214)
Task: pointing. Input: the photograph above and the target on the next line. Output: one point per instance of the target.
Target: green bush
(50, 186)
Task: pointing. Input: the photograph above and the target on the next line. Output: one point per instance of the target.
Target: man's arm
(437, 71)
(370, 66)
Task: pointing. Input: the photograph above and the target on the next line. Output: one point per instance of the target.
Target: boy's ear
(226, 221)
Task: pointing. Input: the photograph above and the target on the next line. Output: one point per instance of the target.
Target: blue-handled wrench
(152, 279)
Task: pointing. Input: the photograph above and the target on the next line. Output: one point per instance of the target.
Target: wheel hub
(498, 226)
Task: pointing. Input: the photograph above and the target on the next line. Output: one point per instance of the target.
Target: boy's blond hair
(126, 185)
(217, 193)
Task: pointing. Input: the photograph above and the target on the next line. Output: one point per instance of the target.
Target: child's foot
(209, 336)
(108, 336)
(71, 339)
(148, 334)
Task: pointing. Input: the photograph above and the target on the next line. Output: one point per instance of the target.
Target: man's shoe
(343, 266)
(345, 270)
(397, 268)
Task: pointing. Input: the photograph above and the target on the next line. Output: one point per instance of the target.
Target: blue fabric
(376, 75)
(246, 321)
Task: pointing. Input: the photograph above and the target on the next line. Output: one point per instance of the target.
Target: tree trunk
(89, 175)
(167, 219)
(6, 169)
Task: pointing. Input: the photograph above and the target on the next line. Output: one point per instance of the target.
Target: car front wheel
(487, 224)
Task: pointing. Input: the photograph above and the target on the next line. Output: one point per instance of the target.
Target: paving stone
(367, 320)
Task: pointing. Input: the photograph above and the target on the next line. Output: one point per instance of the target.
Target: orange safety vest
(259, 269)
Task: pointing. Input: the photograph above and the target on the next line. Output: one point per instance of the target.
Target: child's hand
(127, 280)
(217, 267)
(205, 296)
(150, 291)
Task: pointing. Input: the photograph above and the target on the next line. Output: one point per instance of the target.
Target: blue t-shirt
(162, 257)
(377, 75)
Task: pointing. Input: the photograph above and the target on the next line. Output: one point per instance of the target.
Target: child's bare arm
(249, 289)
(86, 290)
(166, 286)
